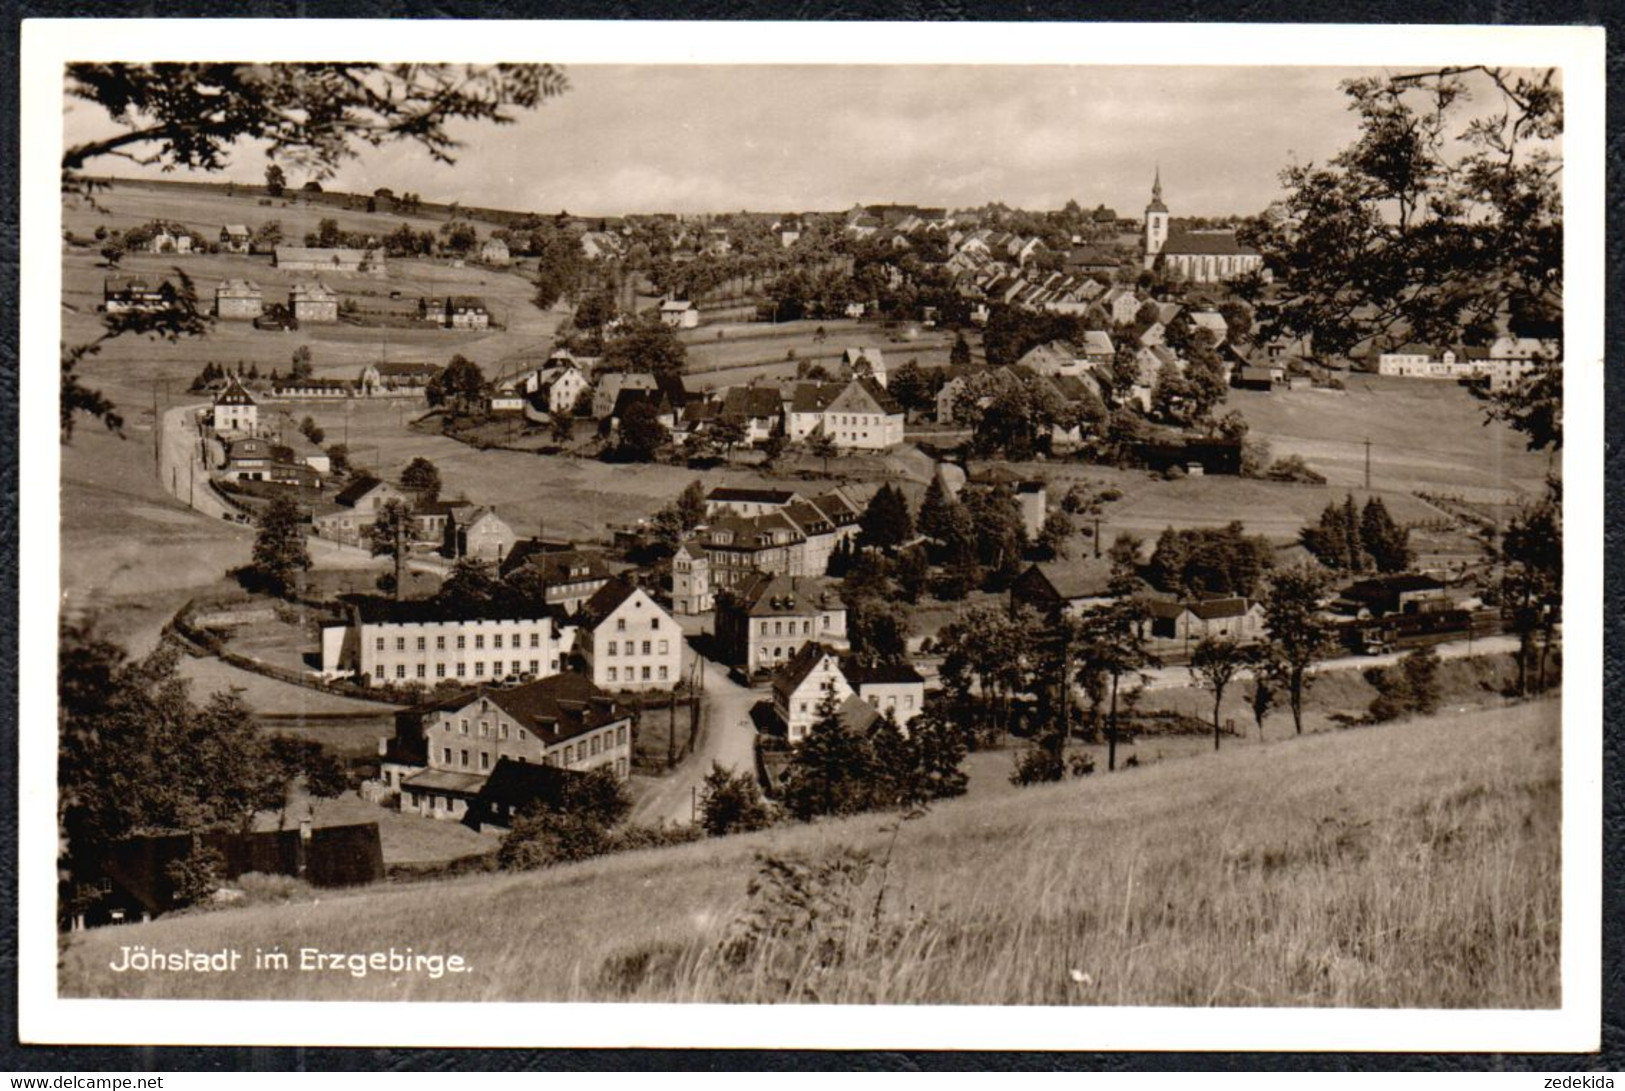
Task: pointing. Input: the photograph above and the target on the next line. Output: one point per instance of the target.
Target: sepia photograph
(931, 532)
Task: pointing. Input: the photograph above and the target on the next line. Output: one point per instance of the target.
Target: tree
(423, 478)
(301, 369)
(1055, 537)
(1531, 585)
(1385, 541)
(280, 556)
(1430, 183)
(311, 430)
(471, 585)
(563, 428)
(1298, 635)
(912, 388)
(641, 433)
(390, 536)
(576, 826)
(1209, 560)
(933, 520)
(959, 355)
(820, 444)
(913, 573)
(190, 116)
(112, 252)
(275, 180)
(338, 456)
(309, 762)
(732, 803)
(1261, 696)
(728, 432)
(879, 630)
(1410, 687)
(1115, 646)
(1215, 663)
(460, 386)
(830, 769)
(999, 534)
(647, 345)
(886, 523)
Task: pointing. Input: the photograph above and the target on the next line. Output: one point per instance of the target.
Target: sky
(791, 138)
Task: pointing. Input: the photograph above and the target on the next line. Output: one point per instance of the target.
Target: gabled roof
(236, 286)
(813, 397)
(555, 565)
(789, 678)
(376, 610)
(1083, 578)
(1097, 342)
(857, 715)
(406, 370)
(606, 600)
(352, 493)
(558, 707)
(234, 394)
(1205, 242)
(751, 402)
(768, 595)
(864, 395)
(237, 229)
(1208, 609)
(881, 674)
(723, 494)
(808, 518)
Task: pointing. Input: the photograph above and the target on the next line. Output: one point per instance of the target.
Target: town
(536, 537)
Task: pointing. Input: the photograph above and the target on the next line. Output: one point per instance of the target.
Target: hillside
(1414, 864)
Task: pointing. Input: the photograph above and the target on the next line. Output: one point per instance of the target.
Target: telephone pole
(1368, 464)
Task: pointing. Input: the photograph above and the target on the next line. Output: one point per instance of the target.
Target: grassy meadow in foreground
(1410, 865)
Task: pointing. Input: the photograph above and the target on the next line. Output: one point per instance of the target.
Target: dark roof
(880, 674)
(553, 561)
(556, 708)
(372, 609)
(520, 783)
(1383, 586)
(768, 595)
(857, 715)
(814, 397)
(751, 401)
(355, 490)
(407, 369)
(788, 678)
(1084, 578)
(724, 494)
(1208, 609)
(1205, 242)
(234, 394)
(605, 601)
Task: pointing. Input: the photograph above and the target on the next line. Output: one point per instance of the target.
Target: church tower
(1156, 222)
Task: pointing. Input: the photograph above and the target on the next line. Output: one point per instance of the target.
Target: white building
(810, 677)
(235, 411)
(627, 641)
(679, 314)
(397, 643)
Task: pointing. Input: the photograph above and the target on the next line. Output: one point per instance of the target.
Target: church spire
(1156, 186)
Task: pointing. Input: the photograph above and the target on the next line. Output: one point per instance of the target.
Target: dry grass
(1414, 864)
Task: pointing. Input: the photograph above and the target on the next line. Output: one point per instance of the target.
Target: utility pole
(1368, 464)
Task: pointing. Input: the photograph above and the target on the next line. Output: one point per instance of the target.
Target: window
(523, 734)
(446, 755)
(479, 670)
(462, 642)
(514, 667)
(380, 643)
(485, 761)
(439, 670)
(439, 643)
(400, 670)
(553, 664)
(463, 727)
(620, 767)
(502, 731)
(422, 670)
(665, 647)
(569, 755)
(461, 670)
(446, 725)
(645, 647)
(464, 755)
(535, 639)
(479, 640)
(654, 623)
(804, 706)
(806, 628)
(764, 628)
(778, 628)
(908, 700)
(423, 643)
(662, 673)
(378, 671)
(620, 625)
(645, 674)
(595, 745)
(400, 643)
(535, 666)
(611, 673)
(485, 729)
(613, 646)
(496, 641)
(874, 699)
(620, 735)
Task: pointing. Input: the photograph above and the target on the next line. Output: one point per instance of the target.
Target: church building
(1201, 257)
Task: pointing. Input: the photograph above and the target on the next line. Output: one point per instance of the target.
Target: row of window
(460, 670)
(485, 729)
(587, 748)
(479, 642)
(631, 647)
(630, 674)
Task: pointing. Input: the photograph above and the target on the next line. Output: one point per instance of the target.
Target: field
(1411, 865)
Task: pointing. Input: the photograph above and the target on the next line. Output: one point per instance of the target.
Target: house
(804, 415)
(1050, 588)
(495, 252)
(557, 388)
(429, 642)
(1511, 358)
(1029, 492)
(679, 314)
(823, 523)
(758, 408)
(1097, 347)
(567, 576)
(1122, 304)
(1184, 623)
(128, 294)
(858, 362)
(627, 641)
(1055, 358)
(355, 509)
(738, 547)
(691, 590)
(237, 298)
(236, 239)
(766, 619)
(896, 688)
(1259, 378)
(1092, 259)
(864, 417)
(607, 391)
(247, 459)
(1404, 593)
(307, 389)
(386, 379)
(482, 535)
(236, 413)
(466, 312)
(313, 301)
(746, 501)
(484, 755)
(1213, 322)
(166, 241)
(329, 259)
(807, 679)
(432, 521)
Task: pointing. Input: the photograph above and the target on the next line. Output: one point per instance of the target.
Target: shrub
(196, 876)
(1037, 765)
(260, 887)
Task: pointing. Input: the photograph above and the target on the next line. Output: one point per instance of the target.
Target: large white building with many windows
(400, 643)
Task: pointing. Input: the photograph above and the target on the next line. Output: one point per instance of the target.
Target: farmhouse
(556, 389)
(236, 413)
(313, 301)
(235, 239)
(384, 379)
(766, 619)
(607, 392)
(482, 535)
(428, 642)
(482, 756)
(1186, 622)
(329, 259)
(758, 408)
(466, 312)
(355, 509)
(126, 294)
(864, 417)
(804, 682)
(626, 641)
(238, 298)
(679, 314)
(1051, 588)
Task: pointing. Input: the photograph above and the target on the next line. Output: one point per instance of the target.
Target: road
(726, 737)
(181, 469)
(1179, 677)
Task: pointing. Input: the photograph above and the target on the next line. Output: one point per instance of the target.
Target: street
(726, 737)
